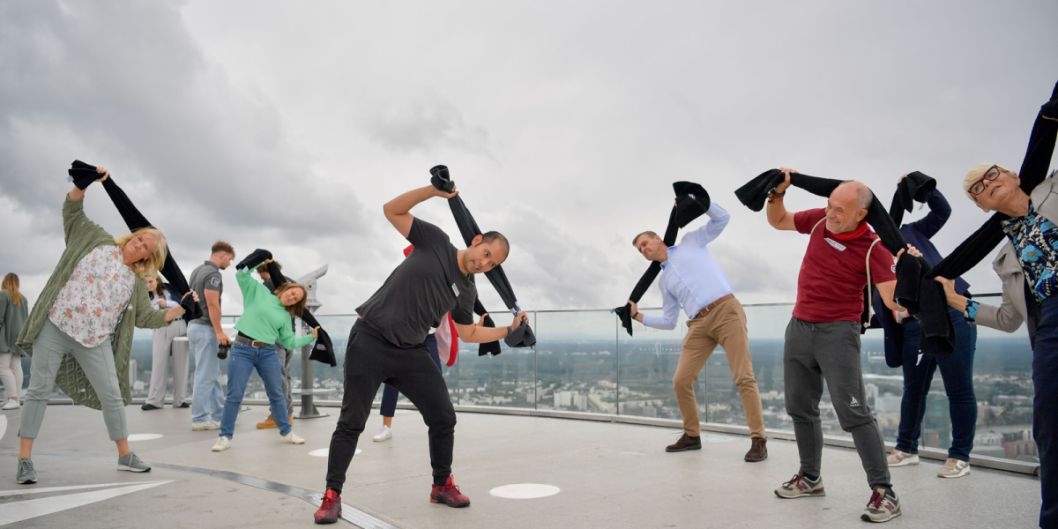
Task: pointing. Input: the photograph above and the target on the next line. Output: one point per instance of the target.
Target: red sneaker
(331, 508)
(449, 494)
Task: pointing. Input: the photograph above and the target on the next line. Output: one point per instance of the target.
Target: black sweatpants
(369, 361)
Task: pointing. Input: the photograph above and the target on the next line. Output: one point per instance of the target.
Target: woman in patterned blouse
(1026, 264)
(80, 331)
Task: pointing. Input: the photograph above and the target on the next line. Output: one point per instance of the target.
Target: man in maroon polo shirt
(823, 337)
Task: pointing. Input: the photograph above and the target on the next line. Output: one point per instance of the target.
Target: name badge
(837, 245)
(455, 290)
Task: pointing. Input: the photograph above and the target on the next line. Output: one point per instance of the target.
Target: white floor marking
(145, 437)
(525, 491)
(24, 510)
(323, 452)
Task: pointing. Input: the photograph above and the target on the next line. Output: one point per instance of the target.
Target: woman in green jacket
(266, 321)
(14, 309)
(80, 330)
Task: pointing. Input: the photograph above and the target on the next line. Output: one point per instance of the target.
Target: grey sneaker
(132, 463)
(26, 475)
(882, 507)
(899, 458)
(801, 487)
(953, 468)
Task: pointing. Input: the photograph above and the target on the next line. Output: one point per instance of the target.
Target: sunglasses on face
(979, 186)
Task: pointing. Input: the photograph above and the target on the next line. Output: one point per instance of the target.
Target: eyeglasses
(979, 186)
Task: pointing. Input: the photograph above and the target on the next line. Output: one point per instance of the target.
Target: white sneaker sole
(964, 472)
(903, 463)
(127, 468)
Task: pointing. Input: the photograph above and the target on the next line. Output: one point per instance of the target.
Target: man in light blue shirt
(691, 279)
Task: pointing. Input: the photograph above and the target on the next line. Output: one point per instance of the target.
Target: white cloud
(287, 125)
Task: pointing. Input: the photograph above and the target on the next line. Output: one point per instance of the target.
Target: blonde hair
(978, 172)
(153, 262)
(10, 284)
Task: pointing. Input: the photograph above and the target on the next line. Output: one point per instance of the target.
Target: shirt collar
(1016, 224)
(666, 261)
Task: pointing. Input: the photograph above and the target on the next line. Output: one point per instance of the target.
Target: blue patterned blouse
(1036, 244)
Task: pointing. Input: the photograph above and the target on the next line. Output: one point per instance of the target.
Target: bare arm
(398, 210)
(887, 290)
(480, 334)
(778, 216)
(213, 304)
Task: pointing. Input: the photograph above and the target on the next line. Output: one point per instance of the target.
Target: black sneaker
(149, 407)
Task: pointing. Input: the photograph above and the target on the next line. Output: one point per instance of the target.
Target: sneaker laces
(329, 499)
(26, 464)
(794, 481)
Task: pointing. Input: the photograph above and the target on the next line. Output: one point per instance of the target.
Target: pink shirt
(91, 302)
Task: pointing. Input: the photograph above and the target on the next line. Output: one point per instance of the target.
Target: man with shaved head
(823, 336)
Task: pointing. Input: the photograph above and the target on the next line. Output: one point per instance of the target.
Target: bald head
(847, 206)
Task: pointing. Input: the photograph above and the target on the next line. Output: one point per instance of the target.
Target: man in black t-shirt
(387, 343)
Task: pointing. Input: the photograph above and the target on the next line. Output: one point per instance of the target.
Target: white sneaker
(292, 438)
(11, 404)
(384, 434)
(899, 458)
(222, 444)
(953, 468)
(205, 425)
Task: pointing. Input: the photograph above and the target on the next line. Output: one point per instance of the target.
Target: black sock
(810, 477)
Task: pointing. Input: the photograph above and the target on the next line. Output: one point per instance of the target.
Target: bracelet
(971, 309)
(774, 192)
(634, 316)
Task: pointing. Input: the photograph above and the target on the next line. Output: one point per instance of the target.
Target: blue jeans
(207, 398)
(241, 362)
(956, 369)
(389, 393)
(1044, 406)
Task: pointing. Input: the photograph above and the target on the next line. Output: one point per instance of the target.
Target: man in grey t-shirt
(205, 335)
(387, 343)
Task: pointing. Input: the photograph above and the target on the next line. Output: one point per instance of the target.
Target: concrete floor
(610, 475)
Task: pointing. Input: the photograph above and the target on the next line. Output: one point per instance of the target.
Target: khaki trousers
(725, 325)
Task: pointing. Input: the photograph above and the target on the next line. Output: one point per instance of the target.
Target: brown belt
(709, 308)
(243, 339)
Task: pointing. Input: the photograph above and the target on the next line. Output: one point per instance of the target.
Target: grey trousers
(815, 352)
(163, 346)
(284, 362)
(97, 363)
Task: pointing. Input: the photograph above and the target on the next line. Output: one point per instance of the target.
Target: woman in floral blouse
(80, 331)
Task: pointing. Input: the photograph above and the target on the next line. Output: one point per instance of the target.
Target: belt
(246, 340)
(712, 306)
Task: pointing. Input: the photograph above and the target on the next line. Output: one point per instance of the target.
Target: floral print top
(90, 304)
(1035, 242)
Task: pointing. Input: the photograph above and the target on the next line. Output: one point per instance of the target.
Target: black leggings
(369, 361)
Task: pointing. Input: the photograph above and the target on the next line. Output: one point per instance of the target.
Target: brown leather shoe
(270, 422)
(685, 442)
(758, 451)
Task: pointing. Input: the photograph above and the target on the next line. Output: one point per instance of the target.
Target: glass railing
(585, 362)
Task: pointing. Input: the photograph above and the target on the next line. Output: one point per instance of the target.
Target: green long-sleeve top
(12, 318)
(82, 236)
(264, 318)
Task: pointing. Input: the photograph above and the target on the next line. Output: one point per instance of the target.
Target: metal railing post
(308, 406)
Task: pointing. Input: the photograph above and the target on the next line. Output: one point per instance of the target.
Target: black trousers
(369, 361)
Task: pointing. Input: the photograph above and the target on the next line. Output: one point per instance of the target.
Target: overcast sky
(287, 125)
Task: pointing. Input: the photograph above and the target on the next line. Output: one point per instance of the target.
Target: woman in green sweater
(13, 312)
(265, 321)
(80, 330)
